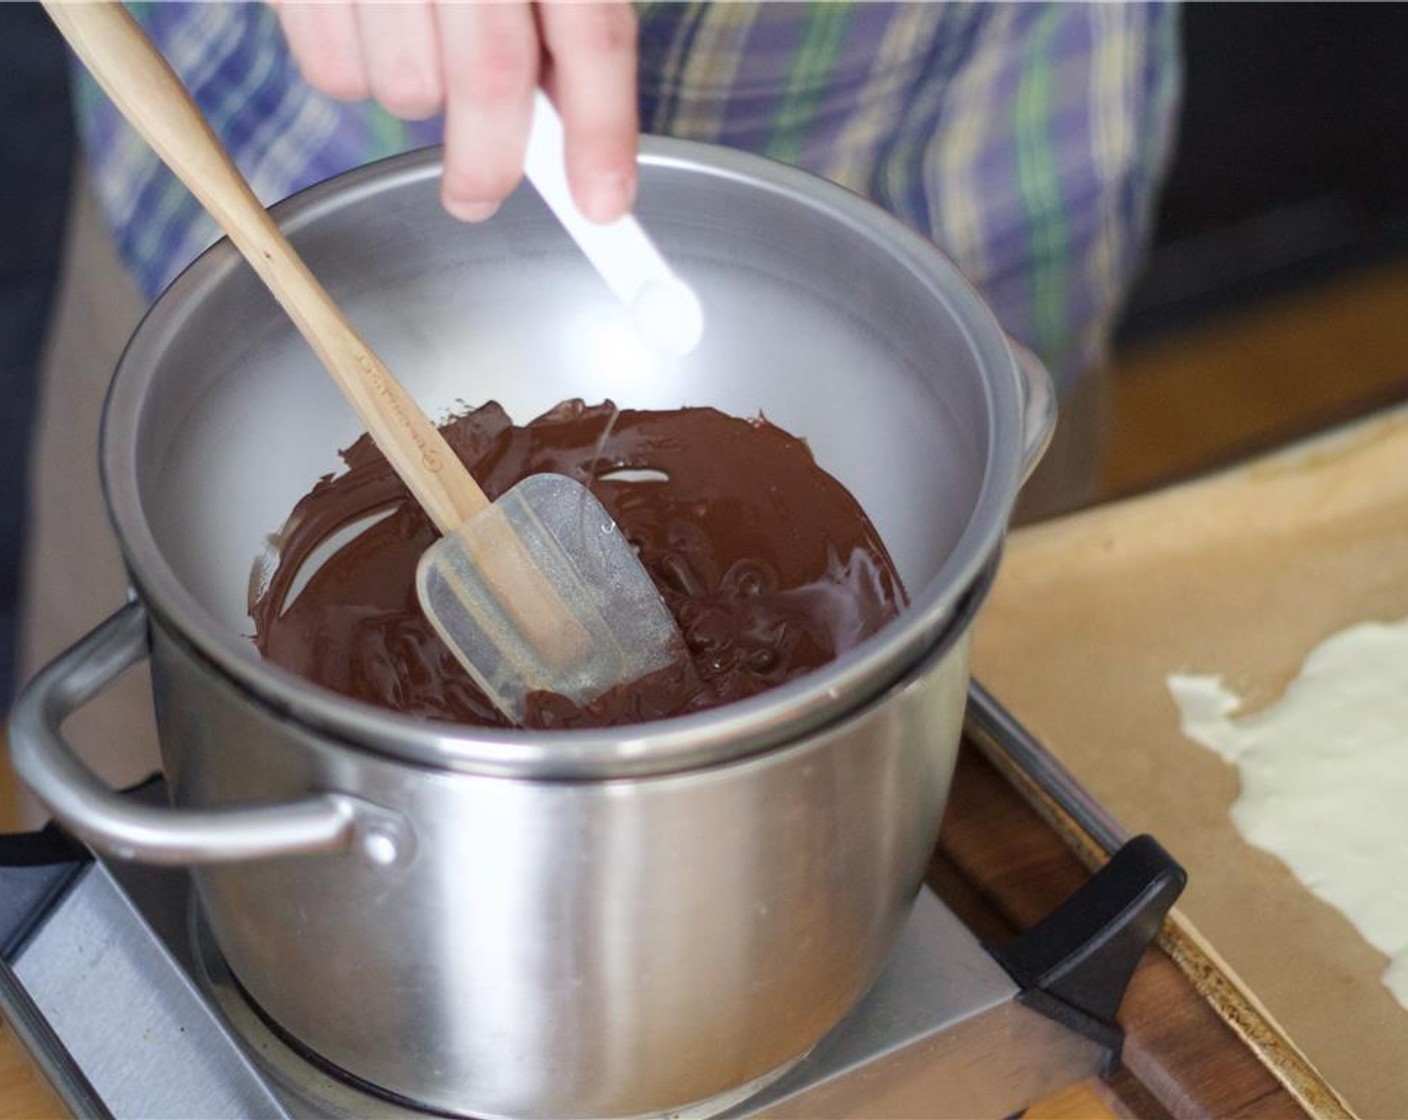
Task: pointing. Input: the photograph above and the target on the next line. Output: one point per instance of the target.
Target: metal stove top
(111, 981)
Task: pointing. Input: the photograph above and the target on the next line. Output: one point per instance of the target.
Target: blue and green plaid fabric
(1026, 139)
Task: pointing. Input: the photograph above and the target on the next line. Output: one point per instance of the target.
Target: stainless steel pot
(575, 923)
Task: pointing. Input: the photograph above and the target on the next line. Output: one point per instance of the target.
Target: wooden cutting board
(1240, 574)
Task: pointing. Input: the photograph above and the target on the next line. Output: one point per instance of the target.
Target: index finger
(591, 50)
(490, 53)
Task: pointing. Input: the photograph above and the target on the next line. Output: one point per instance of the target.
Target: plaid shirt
(1026, 139)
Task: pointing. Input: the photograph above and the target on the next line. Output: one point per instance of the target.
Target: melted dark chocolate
(768, 563)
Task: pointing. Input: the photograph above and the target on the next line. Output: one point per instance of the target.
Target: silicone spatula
(538, 590)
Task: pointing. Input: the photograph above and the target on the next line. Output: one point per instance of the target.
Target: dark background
(1292, 157)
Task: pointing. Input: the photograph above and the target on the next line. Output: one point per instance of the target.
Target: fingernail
(607, 197)
(467, 211)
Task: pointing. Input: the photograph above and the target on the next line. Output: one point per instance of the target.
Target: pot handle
(121, 827)
(1038, 408)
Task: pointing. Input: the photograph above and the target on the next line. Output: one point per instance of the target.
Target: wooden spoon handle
(152, 98)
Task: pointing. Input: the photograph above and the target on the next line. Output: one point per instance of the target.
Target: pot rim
(701, 738)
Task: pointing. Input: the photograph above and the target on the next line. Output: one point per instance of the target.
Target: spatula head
(542, 591)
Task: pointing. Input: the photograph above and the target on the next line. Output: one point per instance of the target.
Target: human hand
(481, 62)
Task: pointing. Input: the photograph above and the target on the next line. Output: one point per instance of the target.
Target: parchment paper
(1241, 574)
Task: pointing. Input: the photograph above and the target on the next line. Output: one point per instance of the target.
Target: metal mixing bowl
(605, 923)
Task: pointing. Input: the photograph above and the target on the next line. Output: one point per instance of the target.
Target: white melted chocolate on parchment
(1324, 777)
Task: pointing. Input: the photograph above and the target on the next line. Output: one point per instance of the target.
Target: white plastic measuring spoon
(666, 311)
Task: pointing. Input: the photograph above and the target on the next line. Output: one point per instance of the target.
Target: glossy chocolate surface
(767, 562)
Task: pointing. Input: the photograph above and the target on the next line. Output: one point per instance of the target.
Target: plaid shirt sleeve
(1027, 140)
